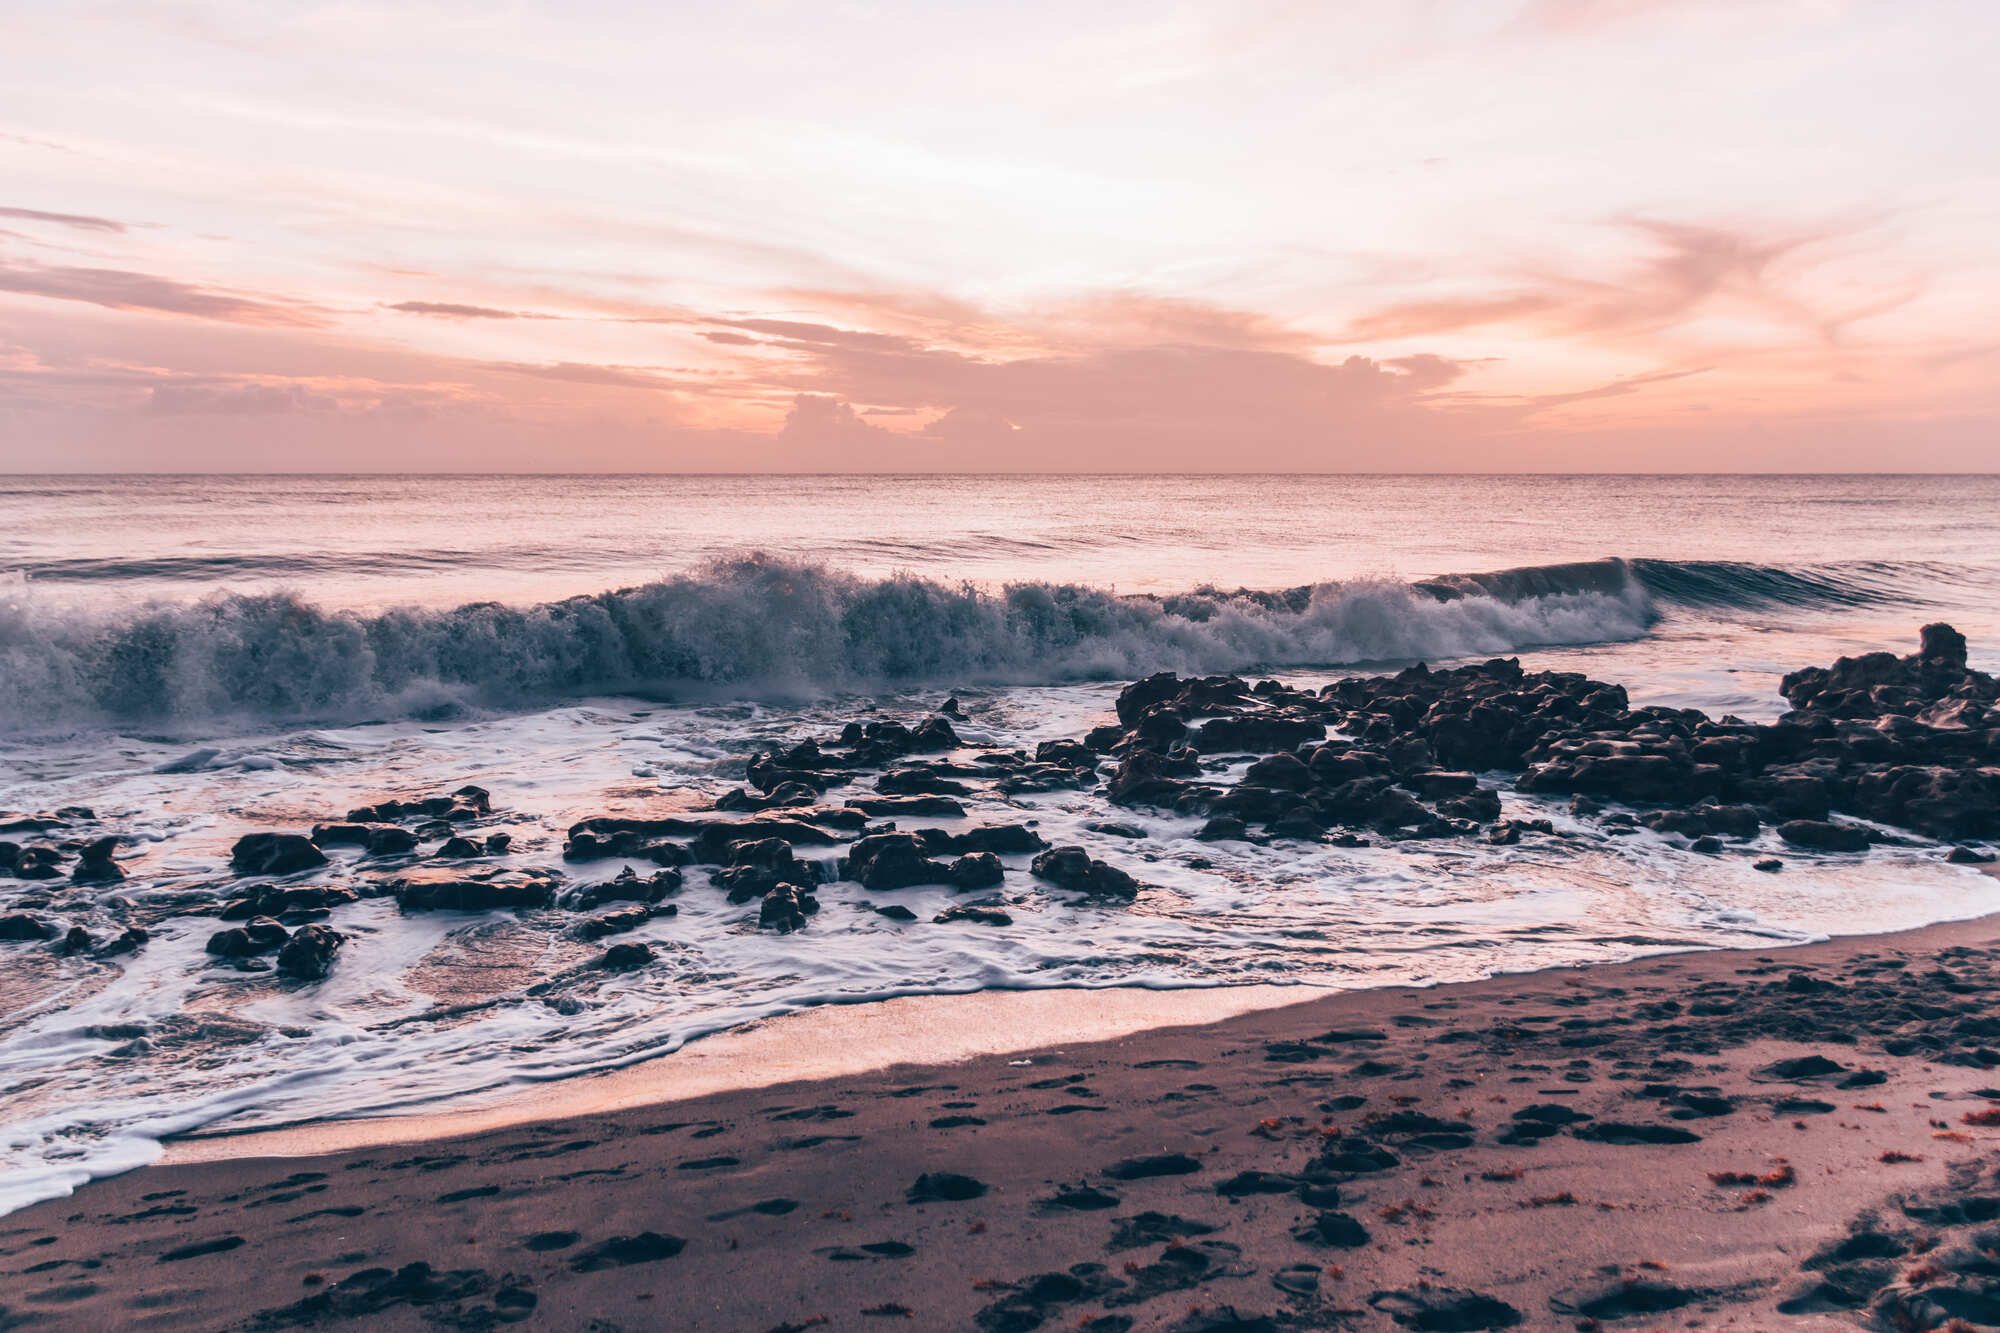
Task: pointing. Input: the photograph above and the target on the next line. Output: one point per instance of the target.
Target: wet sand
(1795, 1138)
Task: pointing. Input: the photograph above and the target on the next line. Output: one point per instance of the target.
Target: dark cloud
(117, 289)
(732, 339)
(79, 221)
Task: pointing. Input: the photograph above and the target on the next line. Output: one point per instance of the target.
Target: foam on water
(433, 1011)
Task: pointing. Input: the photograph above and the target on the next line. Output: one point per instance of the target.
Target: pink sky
(1628, 235)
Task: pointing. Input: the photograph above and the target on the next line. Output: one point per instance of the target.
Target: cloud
(79, 221)
(237, 399)
(793, 333)
(818, 421)
(117, 289)
(449, 310)
(575, 372)
(1689, 270)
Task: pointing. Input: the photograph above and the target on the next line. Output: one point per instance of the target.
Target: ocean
(196, 658)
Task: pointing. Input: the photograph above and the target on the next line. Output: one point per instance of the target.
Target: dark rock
(785, 909)
(1824, 837)
(129, 940)
(341, 835)
(390, 841)
(977, 870)
(1287, 772)
(21, 926)
(308, 954)
(1072, 868)
(1157, 1164)
(613, 923)
(944, 1187)
(625, 957)
(259, 935)
(985, 916)
(94, 864)
(1223, 828)
(1334, 1231)
(274, 854)
(884, 861)
(472, 895)
(627, 887)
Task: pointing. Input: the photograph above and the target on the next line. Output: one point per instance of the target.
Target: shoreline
(829, 1042)
(1572, 1147)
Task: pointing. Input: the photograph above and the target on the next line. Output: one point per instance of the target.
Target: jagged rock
(94, 864)
(308, 954)
(976, 870)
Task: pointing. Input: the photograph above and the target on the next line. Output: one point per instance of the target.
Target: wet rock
(94, 864)
(1223, 828)
(1286, 772)
(625, 957)
(884, 861)
(1002, 839)
(973, 912)
(129, 940)
(1072, 868)
(1070, 754)
(893, 806)
(259, 935)
(38, 863)
(919, 782)
(390, 841)
(786, 909)
(977, 870)
(341, 835)
(613, 923)
(1824, 837)
(274, 854)
(472, 895)
(308, 954)
(627, 887)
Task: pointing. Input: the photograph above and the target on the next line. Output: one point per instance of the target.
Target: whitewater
(197, 658)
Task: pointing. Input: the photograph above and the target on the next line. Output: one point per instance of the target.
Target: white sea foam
(745, 626)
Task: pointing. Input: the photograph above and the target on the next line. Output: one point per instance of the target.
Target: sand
(1619, 1147)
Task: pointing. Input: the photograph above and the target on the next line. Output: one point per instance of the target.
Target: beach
(1566, 944)
(1801, 1138)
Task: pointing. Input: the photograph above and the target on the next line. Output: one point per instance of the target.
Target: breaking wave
(756, 624)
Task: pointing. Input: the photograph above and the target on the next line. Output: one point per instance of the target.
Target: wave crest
(746, 624)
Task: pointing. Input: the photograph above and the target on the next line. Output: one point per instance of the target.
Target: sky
(1435, 235)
